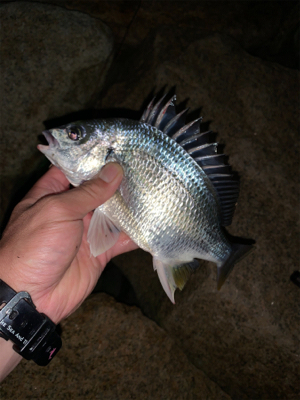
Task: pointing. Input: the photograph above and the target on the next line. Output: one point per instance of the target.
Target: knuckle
(51, 205)
(93, 189)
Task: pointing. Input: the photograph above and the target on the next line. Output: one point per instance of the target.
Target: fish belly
(168, 207)
(165, 217)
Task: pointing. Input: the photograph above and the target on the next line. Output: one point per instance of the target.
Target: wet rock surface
(267, 29)
(112, 351)
(244, 338)
(52, 63)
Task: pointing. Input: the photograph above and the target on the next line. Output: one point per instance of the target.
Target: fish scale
(191, 185)
(176, 193)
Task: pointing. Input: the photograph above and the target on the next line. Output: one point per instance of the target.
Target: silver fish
(176, 195)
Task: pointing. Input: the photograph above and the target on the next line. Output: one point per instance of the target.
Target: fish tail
(239, 251)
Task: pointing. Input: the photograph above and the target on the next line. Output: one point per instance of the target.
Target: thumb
(91, 194)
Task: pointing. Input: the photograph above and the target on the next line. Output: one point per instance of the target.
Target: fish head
(79, 149)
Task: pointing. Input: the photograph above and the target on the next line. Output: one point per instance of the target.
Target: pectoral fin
(173, 274)
(102, 233)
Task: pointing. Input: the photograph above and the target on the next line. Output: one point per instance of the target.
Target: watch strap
(33, 334)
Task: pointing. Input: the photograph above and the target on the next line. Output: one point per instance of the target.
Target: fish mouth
(52, 142)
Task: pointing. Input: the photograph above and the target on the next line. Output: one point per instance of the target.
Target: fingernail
(109, 172)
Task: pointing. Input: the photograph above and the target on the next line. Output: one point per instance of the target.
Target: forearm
(9, 359)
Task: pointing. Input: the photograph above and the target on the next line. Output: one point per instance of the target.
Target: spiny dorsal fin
(187, 131)
(175, 123)
(156, 111)
(147, 111)
(200, 147)
(166, 114)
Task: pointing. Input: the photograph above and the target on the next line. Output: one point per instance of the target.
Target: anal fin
(102, 233)
(173, 274)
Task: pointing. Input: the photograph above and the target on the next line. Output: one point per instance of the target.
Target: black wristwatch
(32, 333)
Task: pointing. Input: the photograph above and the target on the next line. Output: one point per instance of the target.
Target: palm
(84, 271)
(54, 263)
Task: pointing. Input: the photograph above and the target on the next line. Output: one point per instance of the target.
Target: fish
(177, 195)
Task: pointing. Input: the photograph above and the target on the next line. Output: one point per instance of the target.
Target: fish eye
(74, 133)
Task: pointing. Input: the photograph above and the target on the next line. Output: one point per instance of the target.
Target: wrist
(32, 333)
(9, 358)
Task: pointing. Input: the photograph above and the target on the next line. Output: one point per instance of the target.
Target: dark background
(236, 63)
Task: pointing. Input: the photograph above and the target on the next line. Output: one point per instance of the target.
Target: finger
(123, 245)
(78, 202)
(54, 181)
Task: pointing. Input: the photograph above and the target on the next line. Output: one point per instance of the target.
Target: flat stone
(112, 351)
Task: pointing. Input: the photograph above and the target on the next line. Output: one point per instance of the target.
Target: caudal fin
(239, 251)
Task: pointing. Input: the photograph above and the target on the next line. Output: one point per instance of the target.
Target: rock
(264, 29)
(248, 333)
(53, 62)
(111, 351)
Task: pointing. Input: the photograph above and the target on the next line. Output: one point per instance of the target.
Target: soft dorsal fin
(200, 147)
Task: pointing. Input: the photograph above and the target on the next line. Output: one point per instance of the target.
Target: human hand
(44, 249)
